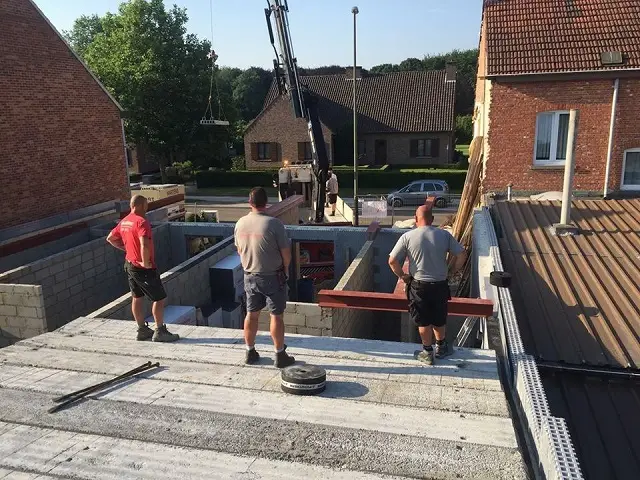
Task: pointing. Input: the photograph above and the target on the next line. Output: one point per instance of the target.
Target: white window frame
(624, 165)
(552, 162)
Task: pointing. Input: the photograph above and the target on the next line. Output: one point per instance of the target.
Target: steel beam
(394, 302)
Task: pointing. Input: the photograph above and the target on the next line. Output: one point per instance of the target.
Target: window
(362, 148)
(428, 187)
(439, 187)
(264, 151)
(552, 132)
(425, 148)
(308, 152)
(416, 187)
(631, 170)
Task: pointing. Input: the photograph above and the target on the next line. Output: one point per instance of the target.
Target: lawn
(464, 149)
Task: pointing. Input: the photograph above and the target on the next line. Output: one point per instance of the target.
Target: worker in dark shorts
(332, 191)
(265, 254)
(427, 287)
(133, 236)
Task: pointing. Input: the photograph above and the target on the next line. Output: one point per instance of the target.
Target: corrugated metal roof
(602, 415)
(577, 299)
(419, 101)
(549, 36)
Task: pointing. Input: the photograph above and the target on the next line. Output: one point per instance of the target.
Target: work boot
(163, 335)
(424, 356)
(283, 359)
(144, 332)
(443, 350)
(252, 357)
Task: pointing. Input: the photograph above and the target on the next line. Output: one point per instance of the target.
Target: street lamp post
(355, 12)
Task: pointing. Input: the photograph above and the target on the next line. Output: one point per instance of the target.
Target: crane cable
(214, 80)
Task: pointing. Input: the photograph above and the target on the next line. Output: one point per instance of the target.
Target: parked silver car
(417, 191)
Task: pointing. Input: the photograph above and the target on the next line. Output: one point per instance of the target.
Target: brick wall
(21, 312)
(60, 134)
(81, 279)
(186, 284)
(302, 318)
(399, 149)
(511, 134)
(278, 125)
(353, 323)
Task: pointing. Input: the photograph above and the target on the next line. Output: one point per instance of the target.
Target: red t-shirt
(130, 229)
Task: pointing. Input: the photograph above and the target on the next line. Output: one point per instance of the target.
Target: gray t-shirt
(427, 249)
(259, 239)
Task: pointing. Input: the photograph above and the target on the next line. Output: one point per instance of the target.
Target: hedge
(366, 179)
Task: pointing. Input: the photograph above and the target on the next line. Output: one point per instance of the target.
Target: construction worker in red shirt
(133, 236)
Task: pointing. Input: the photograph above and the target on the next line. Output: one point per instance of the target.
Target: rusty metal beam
(394, 302)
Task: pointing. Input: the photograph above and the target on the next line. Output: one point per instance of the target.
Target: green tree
(250, 88)
(159, 73)
(84, 31)
(464, 129)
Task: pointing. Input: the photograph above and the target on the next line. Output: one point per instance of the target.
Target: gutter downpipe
(614, 108)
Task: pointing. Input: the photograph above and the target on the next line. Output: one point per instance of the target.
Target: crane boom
(304, 102)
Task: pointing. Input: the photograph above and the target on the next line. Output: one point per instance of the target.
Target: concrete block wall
(186, 284)
(79, 280)
(21, 312)
(41, 251)
(302, 318)
(353, 323)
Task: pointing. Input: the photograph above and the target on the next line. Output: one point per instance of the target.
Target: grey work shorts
(266, 291)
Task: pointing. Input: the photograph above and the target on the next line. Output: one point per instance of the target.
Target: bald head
(424, 216)
(138, 204)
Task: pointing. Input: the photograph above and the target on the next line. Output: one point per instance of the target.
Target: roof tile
(552, 36)
(395, 102)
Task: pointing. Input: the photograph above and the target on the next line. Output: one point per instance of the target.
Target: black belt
(423, 282)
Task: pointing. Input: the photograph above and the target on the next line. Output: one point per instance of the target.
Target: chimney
(349, 73)
(565, 227)
(450, 72)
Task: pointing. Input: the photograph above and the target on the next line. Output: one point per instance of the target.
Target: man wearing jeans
(427, 288)
(133, 235)
(265, 254)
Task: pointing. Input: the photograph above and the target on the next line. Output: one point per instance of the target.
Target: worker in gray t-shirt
(427, 288)
(265, 254)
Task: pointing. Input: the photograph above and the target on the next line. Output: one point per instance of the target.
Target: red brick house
(403, 118)
(61, 135)
(537, 61)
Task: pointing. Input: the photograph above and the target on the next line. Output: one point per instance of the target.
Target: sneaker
(162, 335)
(252, 357)
(283, 359)
(144, 333)
(443, 350)
(424, 356)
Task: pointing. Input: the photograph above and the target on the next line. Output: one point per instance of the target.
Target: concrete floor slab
(208, 398)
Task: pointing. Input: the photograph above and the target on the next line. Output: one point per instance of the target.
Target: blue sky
(388, 31)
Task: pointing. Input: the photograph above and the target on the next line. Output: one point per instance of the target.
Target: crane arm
(304, 102)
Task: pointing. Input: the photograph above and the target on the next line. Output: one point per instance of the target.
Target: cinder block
(317, 321)
(32, 301)
(5, 321)
(75, 261)
(99, 268)
(290, 308)
(63, 296)
(8, 310)
(86, 256)
(10, 332)
(42, 273)
(87, 265)
(31, 332)
(295, 319)
(290, 329)
(62, 276)
(326, 332)
(75, 289)
(57, 267)
(308, 309)
(316, 332)
(87, 284)
(40, 312)
(26, 311)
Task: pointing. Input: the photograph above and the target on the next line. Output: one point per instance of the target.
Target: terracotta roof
(394, 102)
(577, 299)
(550, 36)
